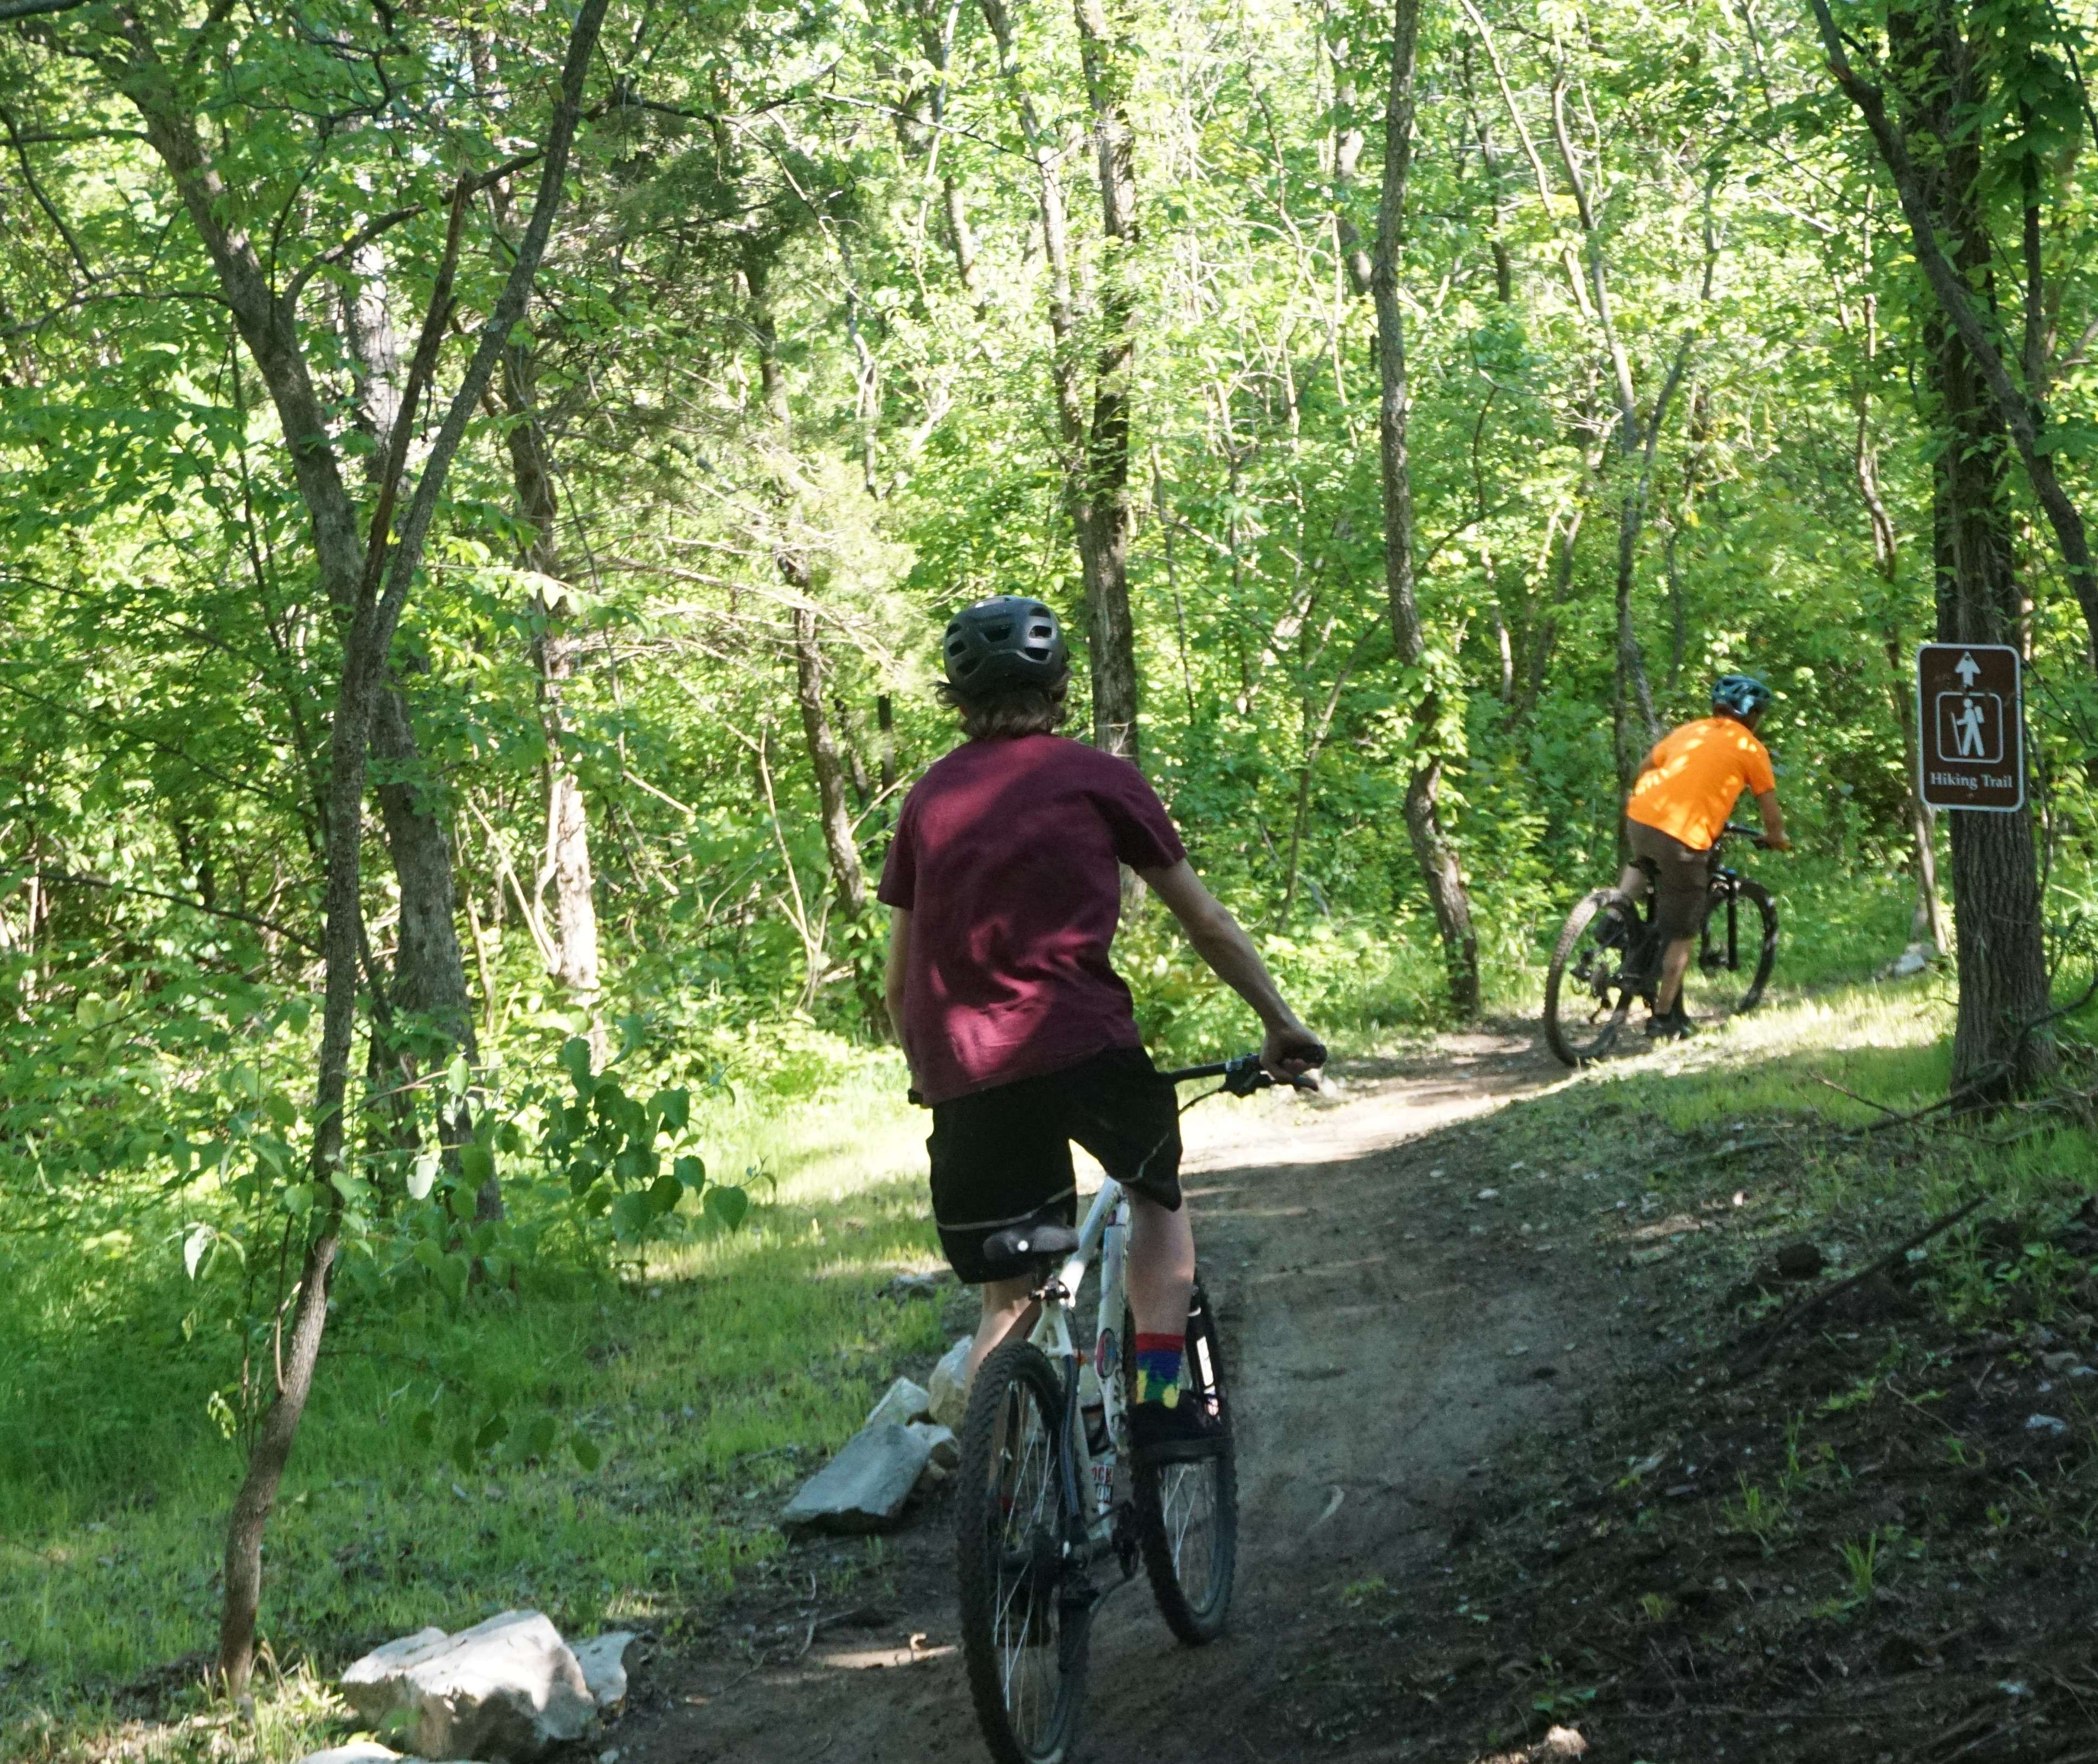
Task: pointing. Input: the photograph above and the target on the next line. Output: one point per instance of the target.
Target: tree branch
(2023, 417)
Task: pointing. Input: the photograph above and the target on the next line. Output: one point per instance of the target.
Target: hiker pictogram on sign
(1972, 723)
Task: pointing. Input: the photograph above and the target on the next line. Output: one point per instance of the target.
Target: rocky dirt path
(1385, 1347)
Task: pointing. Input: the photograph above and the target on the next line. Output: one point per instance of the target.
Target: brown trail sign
(1970, 713)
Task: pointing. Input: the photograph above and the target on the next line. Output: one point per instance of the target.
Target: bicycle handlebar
(1756, 834)
(1244, 1075)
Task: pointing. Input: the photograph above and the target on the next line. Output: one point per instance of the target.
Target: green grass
(711, 1381)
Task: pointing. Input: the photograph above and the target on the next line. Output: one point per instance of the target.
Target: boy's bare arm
(1290, 1048)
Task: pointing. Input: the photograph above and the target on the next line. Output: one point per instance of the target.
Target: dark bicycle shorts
(1002, 1157)
(1683, 877)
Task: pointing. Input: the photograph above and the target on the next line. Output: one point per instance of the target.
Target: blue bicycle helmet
(1739, 695)
(999, 644)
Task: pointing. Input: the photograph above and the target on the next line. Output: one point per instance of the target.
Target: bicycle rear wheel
(1587, 989)
(1731, 963)
(1024, 1637)
(1188, 1514)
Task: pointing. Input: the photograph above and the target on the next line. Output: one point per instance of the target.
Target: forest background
(571, 430)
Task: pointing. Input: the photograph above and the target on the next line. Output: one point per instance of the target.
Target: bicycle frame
(1105, 1235)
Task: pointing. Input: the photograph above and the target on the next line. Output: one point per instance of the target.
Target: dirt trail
(1381, 1352)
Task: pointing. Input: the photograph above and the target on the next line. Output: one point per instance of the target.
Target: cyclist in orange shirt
(1680, 801)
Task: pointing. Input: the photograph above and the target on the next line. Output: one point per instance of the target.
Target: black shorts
(1683, 879)
(1002, 1157)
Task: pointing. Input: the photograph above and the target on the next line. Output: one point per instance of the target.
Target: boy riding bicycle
(1679, 803)
(1004, 886)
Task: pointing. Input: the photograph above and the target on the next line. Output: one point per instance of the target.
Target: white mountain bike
(1051, 1499)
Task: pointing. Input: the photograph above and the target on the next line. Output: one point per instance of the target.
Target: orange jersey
(1693, 776)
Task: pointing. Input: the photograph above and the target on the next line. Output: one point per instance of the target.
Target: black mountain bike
(1609, 953)
(1053, 1512)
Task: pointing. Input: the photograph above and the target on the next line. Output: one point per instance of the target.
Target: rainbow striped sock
(1158, 1369)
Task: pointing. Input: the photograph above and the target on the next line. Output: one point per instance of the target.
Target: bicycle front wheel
(1024, 1641)
(1587, 990)
(1188, 1514)
(1736, 945)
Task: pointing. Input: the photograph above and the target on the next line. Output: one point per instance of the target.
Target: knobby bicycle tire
(1756, 894)
(1169, 1500)
(1567, 1040)
(1023, 1644)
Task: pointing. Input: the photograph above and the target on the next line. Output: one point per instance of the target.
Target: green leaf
(631, 1217)
(458, 1075)
(461, 1200)
(493, 1430)
(673, 1108)
(423, 1427)
(452, 1275)
(586, 1450)
(664, 1194)
(476, 1163)
(539, 1437)
(576, 1060)
(728, 1205)
(428, 1251)
(690, 1171)
(462, 1453)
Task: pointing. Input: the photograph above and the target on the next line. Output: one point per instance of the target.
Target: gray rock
(864, 1487)
(1912, 960)
(508, 1689)
(604, 1661)
(941, 1445)
(902, 1403)
(948, 1393)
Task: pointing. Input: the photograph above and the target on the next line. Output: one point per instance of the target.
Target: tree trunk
(567, 860)
(272, 1451)
(848, 874)
(1998, 1050)
(429, 970)
(369, 587)
(1107, 53)
(1432, 847)
(1926, 93)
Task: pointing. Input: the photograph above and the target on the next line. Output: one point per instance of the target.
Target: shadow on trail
(1385, 1343)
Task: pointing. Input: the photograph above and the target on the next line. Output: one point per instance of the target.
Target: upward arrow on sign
(1969, 670)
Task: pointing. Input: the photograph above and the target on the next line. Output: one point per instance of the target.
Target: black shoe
(1612, 933)
(1182, 1434)
(1675, 1027)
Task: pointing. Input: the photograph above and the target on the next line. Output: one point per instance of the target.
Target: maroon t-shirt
(1005, 856)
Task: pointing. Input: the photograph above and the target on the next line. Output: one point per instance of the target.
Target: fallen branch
(1802, 1309)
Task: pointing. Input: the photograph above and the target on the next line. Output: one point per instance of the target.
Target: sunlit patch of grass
(722, 1371)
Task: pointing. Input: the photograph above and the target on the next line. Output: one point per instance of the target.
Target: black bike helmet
(1739, 695)
(1001, 644)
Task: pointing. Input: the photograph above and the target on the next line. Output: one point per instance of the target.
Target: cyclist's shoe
(1675, 1027)
(1181, 1434)
(1612, 933)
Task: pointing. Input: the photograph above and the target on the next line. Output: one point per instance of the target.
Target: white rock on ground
(901, 1404)
(604, 1661)
(944, 1451)
(357, 1752)
(948, 1394)
(508, 1689)
(864, 1487)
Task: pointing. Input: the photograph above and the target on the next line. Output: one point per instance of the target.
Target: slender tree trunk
(1108, 54)
(567, 860)
(429, 970)
(1433, 849)
(266, 1463)
(369, 586)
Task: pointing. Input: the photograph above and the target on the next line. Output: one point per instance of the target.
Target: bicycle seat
(1019, 1246)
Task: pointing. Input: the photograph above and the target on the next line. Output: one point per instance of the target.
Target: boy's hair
(1024, 710)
